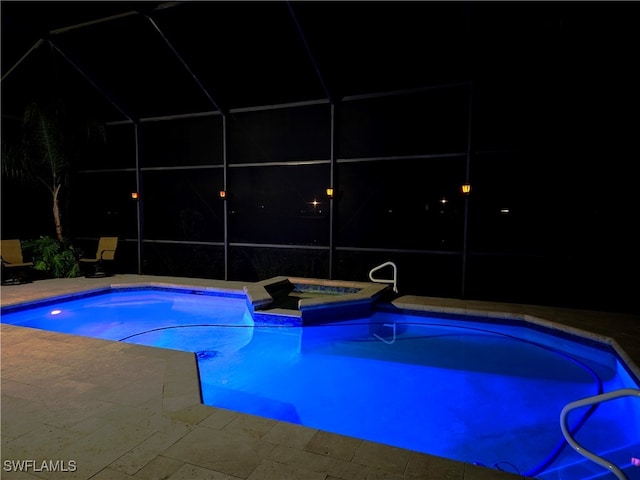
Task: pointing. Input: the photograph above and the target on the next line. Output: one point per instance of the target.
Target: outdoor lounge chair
(14, 269)
(105, 255)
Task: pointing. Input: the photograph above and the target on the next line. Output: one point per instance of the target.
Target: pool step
(277, 316)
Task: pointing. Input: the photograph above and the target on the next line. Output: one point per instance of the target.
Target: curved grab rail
(393, 280)
(603, 397)
(393, 339)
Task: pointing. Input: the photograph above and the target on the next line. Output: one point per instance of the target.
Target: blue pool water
(479, 392)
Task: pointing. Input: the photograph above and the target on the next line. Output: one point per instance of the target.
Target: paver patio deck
(112, 411)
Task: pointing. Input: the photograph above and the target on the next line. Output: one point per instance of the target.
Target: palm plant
(40, 156)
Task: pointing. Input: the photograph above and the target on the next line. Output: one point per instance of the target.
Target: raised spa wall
(299, 301)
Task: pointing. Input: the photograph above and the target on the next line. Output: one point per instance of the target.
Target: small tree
(40, 154)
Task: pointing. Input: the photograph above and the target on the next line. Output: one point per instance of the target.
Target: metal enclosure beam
(184, 64)
(225, 213)
(140, 201)
(33, 47)
(465, 230)
(91, 79)
(333, 201)
(310, 53)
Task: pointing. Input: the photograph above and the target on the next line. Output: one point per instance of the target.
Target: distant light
(444, 201)
(504, 211)
(465, 188)
(55, 312)
(315, 203)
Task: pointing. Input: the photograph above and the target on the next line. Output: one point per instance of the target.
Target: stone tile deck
(113, 411)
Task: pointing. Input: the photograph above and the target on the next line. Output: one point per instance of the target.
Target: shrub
(56, 259)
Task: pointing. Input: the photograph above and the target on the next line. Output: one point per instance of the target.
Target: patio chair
(98, 266)
(15, 270)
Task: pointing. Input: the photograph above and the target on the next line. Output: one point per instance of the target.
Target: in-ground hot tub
(303, 301)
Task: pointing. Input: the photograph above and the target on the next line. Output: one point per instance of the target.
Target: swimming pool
(477, 391)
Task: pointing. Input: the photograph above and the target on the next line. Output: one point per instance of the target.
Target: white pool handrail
(603, 397)
(393, 280)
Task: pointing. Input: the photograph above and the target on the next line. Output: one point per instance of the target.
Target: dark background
(536, 103)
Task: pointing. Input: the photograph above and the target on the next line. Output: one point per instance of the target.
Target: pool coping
(531, 321)
(386, 459)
